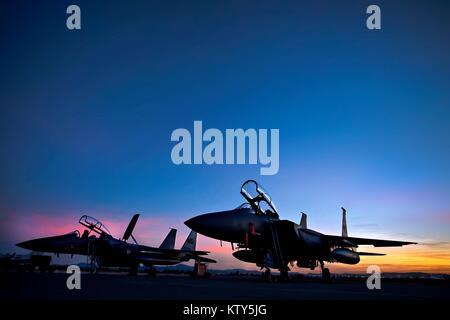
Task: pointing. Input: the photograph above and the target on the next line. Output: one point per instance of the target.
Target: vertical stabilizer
(303, 224)
(190, 242)
(344, 223)
(169, 241)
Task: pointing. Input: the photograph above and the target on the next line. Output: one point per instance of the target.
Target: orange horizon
(415, 258)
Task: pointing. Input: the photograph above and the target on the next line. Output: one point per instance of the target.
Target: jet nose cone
(26, 245)
(224, 225)
(197, 223)
(208, 224)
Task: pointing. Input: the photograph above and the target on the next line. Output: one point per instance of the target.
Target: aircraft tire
(152, 272)
(326, 276)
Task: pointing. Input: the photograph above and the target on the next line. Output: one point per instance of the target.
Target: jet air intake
(344, 255)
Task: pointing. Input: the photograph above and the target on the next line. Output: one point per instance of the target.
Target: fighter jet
(270, 242)
(104, 250)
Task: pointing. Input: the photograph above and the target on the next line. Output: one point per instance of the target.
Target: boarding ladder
(276, 246)
(91, 258)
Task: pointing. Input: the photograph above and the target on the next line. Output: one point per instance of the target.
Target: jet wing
(370, 254)
(178, 251)
(197, 252)
(348, 241)
(155, 260)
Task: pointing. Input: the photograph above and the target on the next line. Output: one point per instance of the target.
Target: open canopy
(94, 225)
(258, 199)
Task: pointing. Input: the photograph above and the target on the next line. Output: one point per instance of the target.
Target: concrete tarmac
(50, 286)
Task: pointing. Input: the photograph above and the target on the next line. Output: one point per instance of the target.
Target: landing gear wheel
(326, 276)
(93, 264)
(152, 272)
(284, 274)
(267, 275)
(134, 271)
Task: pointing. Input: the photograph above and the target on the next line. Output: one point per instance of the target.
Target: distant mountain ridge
(186, 268)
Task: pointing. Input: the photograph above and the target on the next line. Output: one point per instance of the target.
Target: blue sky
(86, 116)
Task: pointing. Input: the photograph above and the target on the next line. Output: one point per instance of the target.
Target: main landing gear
(152, 272)
(326, 276)
(267, 275)
(284, 276)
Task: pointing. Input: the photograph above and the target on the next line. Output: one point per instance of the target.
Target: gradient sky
(86, 117)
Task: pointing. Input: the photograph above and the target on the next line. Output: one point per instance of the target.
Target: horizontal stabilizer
(337, 240)
(197, 252)
(371, 254)
(205, 260)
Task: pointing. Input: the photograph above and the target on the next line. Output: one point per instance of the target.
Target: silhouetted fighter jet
(269, 242)
(105, 250)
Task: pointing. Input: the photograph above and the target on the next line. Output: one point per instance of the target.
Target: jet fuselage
(244, 227)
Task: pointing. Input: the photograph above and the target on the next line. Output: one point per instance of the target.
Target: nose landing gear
(326, 275)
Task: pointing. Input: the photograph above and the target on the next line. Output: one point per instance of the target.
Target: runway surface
(34, 285)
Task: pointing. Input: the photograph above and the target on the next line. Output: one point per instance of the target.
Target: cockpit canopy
(259, 199)
(75, 232)
(94, 225)
(245, 205)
